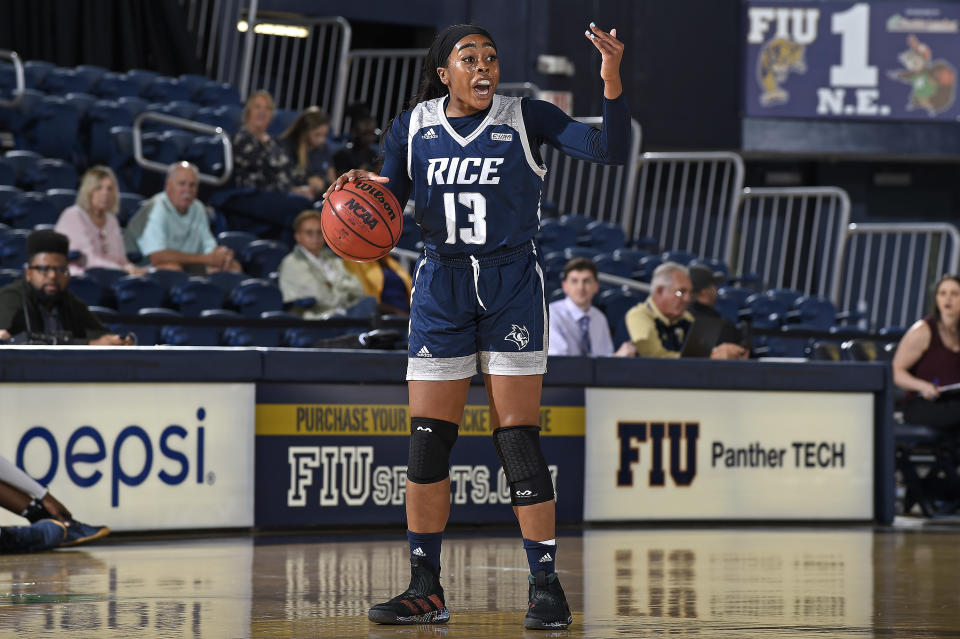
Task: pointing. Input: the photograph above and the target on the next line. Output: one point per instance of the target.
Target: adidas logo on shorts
(543, 559)
(423, 352)
(418, 551)
(430, 134)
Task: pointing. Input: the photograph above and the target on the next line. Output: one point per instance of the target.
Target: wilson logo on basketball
(378, 195)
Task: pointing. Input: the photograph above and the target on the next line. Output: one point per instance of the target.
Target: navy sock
(426, 546)
(541, 555)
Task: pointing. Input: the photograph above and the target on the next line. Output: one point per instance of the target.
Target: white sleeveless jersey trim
(503, 110)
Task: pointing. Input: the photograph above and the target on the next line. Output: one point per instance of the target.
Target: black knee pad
(430, 444)
(519, 450)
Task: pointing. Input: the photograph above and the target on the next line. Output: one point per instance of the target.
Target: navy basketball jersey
(478, 193)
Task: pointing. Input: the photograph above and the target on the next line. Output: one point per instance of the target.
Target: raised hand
(611, 52)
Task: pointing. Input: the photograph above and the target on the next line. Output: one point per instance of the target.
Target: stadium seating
(196, 295)
(52, 128)
(8, 275)
(608, 263)
(134, 293)
(254, 296)
(60, 81)
(603, 236)
(13, 249)
(190, 335)
(262, 257)
(27, 210)
(87, 289)
(216, 94)
(51, 174)
(553, 235)
(236, 241)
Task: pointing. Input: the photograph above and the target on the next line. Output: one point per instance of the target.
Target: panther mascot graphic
(777, 59)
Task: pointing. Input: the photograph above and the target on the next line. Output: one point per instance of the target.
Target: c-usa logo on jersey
(519, 335)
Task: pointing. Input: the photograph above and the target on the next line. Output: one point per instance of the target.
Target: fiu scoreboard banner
(869, 60)
(687, 454)
(332, 454)
(136, 456)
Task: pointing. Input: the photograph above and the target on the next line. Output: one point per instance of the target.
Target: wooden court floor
(857, 581)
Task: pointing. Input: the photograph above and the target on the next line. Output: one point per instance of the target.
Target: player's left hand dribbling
(354, 174)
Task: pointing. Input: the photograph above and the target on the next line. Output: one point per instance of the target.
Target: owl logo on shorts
(519, 335)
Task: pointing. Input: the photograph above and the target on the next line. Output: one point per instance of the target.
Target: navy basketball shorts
(487, 312)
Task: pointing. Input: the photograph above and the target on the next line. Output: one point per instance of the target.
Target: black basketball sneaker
(548, 609)
(421, 603)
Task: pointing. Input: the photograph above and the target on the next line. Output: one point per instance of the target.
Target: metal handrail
(18, 72)
(796, 192)
(189, 125)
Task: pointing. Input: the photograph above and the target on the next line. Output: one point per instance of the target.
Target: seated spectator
(39, 309)
(177, 233)
(258, 160)
(91, 224)
(928, 359)
(51, 523)
(387, 281)
(704, 289)
(576, 327)
(306, 143)
(359, 152)
(269, 189)
(313, 270)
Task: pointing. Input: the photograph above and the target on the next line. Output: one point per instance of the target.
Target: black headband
(451, 36)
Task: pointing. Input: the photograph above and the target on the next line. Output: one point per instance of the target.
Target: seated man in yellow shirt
(660, 325)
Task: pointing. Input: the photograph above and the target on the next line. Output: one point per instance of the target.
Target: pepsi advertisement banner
(852, 60)
(336, 455)
(136, 456)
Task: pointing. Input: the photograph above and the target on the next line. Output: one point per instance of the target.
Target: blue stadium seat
(206, 152)
(555, 236)
(646, 267)
(680, 257)
(120, 158)
(13, 118)
(813, 311)
(83, 102)
(130, 203)
(92, 72)
(168, 280)
(728, 307)
(107, 277)
(13, 248)
(777, 346)
(61, 81)
(22, 160)
(51, 174)
(8, 173)
(579, 251)
(736, 293)
(134, 292)
(305, 336)
(615, 303)
(34, 71)
(142, 77)
(632, 255)
(236, 241)
(254, 296)
(193, 83)
(87, 289)
(607, 263)
(190, 335)
(115, 85)
(8, 275)
(216, 94)
(892, 332)
(227, 281)
(52, 128)
(27, 210)
(149, 334)
(133, 104)
(282, 119)
(61, 198)
(164, 89)
(785, 295)
(176, 108)
(196, 295)
(7, 193)
(101, 117)
(603, 236)
(577, 221)
(262, 257)
(764, 311)
(848, 331)
(825, 351)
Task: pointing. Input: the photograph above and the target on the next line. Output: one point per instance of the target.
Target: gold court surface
(850, 581)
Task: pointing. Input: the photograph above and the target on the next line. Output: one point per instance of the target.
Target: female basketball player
(471, 161)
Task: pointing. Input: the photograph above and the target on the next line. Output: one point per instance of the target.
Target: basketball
(362, 221)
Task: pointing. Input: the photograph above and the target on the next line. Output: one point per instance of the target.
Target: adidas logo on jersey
(418, 551)
(545, 558)
(501, 137)
(430, 134)
(423, 352)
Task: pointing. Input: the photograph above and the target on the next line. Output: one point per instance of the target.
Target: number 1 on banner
(853, 25)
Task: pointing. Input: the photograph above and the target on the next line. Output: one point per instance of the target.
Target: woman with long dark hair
(928, 358)
(470, 160)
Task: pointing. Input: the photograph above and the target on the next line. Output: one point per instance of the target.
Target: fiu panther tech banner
(688, 454)
(870, 60)
(331, 454)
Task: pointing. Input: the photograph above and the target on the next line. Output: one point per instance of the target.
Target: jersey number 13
(478, 216)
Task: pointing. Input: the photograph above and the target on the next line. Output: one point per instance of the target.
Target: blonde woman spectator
(91, 224)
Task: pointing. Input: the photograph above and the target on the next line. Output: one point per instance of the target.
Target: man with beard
(40, 309)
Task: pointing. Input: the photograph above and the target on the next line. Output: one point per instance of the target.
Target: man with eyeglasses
(40, 309)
